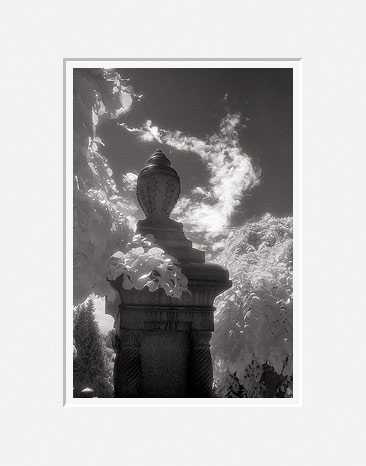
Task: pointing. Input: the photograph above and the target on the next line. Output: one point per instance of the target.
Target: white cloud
(150, 132)
(201, 191)
(208, 210)
(129, 181)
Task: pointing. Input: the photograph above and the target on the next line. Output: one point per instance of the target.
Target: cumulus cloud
(202, 192)
(129, 181)
(147, 133)
(208, 209)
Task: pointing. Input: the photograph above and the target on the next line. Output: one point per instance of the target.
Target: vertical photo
(183, 232)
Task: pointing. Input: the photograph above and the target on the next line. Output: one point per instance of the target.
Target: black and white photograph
(182, 235)
(183, 251)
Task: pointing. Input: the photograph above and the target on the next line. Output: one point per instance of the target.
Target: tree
(101, 224)
(91, 368)
(252, 341)
(101, 214)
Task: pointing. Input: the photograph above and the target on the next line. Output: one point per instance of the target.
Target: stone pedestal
(163, 346)
(163, 343)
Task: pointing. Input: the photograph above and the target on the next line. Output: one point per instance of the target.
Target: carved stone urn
(163, 343)
(158, 189)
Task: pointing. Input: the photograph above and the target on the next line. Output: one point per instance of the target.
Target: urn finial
(158, 187)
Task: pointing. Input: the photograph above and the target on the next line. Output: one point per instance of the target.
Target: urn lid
(158, 163)
(158, 159)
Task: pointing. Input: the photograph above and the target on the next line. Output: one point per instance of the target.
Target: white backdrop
(329, 428)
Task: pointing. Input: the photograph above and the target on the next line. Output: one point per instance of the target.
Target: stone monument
(162, 343)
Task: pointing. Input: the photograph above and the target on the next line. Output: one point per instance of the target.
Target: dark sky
(192, 101)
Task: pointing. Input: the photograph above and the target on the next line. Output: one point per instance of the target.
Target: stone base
(163, 364)
(169, 236)
(163, 343)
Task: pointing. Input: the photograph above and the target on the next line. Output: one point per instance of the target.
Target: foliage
(91, 367)
(253, 322)
(101, 215)
(252, 342)
(96, 237)
(109, 354)
(148, 265)
(259, 381)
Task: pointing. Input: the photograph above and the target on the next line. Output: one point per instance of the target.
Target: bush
(253, 321)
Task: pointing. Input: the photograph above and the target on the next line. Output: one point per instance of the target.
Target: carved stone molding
(130, 339)
(200, 365)
(127, 366)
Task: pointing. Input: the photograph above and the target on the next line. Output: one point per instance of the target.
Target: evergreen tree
(90, 365)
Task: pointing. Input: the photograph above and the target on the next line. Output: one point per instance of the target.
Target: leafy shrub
(101, 214)
(148, 265)
(253, 321)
